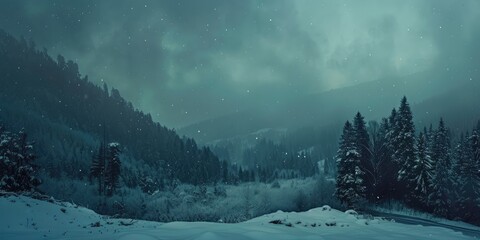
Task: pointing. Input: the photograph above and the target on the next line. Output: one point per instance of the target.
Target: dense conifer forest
(436, 170)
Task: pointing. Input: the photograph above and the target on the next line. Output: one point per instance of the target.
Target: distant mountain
(374, 99)
(459, 107)
(68, 116)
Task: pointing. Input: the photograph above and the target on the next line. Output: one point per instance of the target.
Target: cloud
(185, 61)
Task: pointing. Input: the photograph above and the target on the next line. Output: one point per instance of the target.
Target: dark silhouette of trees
(97, 169)
(422, 174)
(112, 170)
(422, 171)
(350, 188)
(17, 169)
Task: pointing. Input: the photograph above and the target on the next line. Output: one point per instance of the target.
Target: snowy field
(25, 218)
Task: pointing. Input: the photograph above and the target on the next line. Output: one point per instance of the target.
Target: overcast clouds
(185, 61)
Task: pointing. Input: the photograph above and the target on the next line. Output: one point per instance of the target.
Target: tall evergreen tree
(350, 189)
(97, 169)
(439, 198)
(392, 137)
(441, 144)
(467, 184)
(112, 171)
(459, 158)
(392, 119)
(422, 173)
(362, 140)
(429, 137)
(442, 182)
(392, 133)
(404, 146)
(385, 172)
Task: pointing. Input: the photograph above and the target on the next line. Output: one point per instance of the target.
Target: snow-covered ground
(26, 218)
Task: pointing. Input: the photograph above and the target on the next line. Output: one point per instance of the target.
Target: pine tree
(17, 169)
(469, 179)
(475, 150)
(392, 119)
(97, 169)
(362, 141)
(350, 189)
(441, 144)
(442, 180)
(383, 162)
(439, 198)
(112, 171)
(404, 146)
(431, 133)
(459, 158)
(392, 137)
(422, 173)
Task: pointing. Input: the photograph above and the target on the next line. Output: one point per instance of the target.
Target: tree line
(67, 114)
(427, 171)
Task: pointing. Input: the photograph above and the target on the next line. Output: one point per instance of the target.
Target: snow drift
(27, 218)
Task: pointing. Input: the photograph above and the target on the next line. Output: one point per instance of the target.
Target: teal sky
(186, 61)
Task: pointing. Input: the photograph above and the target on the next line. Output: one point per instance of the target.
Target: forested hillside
(68, 116)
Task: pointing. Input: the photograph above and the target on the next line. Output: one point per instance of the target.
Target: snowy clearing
(26, 218)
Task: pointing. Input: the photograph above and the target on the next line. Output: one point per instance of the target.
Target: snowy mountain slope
(26, 218)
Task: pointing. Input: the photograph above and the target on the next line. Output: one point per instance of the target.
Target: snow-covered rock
(351, 212)
(26, 218)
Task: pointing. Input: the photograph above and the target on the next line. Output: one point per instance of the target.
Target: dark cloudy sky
(185, 61)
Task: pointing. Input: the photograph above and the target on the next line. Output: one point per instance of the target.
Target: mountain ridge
(374, 99)
(68, 116)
